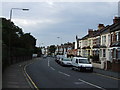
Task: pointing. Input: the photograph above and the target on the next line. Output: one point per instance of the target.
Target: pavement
(14, 76)
(107, 73)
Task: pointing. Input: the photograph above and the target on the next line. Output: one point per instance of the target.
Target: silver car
(66, 62)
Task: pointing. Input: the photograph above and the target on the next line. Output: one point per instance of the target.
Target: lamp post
(24, 9)
(60, 38)
(61, 44)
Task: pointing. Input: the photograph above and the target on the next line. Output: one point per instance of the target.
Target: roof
(115, 27)
(96, 33)
(105, 29)
(85, 37)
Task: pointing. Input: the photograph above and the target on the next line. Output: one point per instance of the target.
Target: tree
(10, 33)
(38, 51)
(52, 49)
(15, 43)
(13, 36)
(28, 41)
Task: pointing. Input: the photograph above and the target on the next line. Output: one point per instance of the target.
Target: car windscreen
(66, 59)
(84, 61)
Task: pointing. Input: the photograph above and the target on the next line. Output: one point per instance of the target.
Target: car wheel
(72, 68)
(79, 69)
(91, 70)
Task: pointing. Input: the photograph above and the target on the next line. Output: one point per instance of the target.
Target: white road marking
(91, 84)
(64, 73)
(52, 68)
(49, 65)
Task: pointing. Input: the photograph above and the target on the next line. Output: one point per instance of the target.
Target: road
(46, 73)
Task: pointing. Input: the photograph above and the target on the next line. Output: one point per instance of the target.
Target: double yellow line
(107, 76)
(31, 81)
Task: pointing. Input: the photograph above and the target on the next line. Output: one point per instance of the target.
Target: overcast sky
(48, 20)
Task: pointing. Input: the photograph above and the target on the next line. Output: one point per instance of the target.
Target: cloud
(48, 20)
(61, 0)
(43, 25)
(51, 3)
(28, 22)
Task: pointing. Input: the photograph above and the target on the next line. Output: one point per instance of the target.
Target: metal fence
(14, 55)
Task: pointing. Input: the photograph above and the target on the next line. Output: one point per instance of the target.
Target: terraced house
(65, 49)
(115, 44)
(102, 45)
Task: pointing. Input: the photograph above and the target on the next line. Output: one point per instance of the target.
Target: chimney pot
(100, 26)
(116, 20)
(90, 31)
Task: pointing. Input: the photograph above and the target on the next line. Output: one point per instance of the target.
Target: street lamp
(60, 38)
(61, 43)
(24, 9)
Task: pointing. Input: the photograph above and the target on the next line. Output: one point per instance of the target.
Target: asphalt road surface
(46, 73)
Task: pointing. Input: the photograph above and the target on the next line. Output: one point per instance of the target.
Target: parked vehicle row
(77, 63)
(58, 58)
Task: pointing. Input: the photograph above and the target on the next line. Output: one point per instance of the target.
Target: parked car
(81, 64)
(58, 58)
(66, 62)
(44, 56)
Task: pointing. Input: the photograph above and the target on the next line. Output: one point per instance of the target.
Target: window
(117, 36)
(103, 40)
(100, 53)
(86, 43)
(118, 54)
(104, 53)
(76, 60)
(89, 42)
(84, 61)
(98, 41)
(114, 53)
(79, 44)
(109, 39)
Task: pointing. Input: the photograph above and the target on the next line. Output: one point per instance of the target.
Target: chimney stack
(100, 26)
(90, 31)
(116, 20)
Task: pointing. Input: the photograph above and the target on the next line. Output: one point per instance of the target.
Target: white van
(81, 64)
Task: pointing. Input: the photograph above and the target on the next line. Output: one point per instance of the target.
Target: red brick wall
(116, 67)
